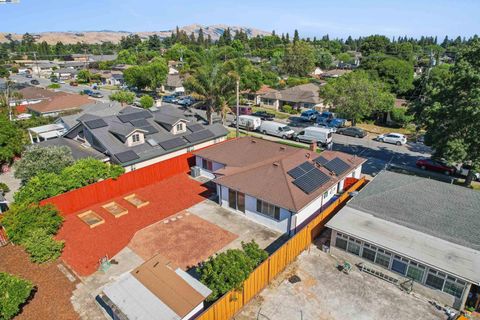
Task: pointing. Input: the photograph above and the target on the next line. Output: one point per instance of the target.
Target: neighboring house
(77, 65)
(78, 149)
(65, 73)
(158, 289)
(135, 137)
(43, 69)
(302, 96)
(172, 70)
(409, 227)
(116, 79)
(317, 72)
(174, 83)
(93, 58)
(46, 132)
(256, 96)
(58, 104)
(279, 186)
(334, 73)
(96, 108)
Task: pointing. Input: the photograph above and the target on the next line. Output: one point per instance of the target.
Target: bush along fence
(230, 303)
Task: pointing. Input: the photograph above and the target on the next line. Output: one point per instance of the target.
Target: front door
(232, 199)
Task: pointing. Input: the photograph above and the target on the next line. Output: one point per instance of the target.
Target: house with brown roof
(301, 96)
(279, 186)
(158, 289)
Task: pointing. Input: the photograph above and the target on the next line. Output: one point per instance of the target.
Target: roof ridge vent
(307, 155)
(282, 148)
(276, 164)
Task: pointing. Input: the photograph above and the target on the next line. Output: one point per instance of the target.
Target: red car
(436, 165)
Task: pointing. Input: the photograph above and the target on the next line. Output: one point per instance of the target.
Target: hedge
(14, 292)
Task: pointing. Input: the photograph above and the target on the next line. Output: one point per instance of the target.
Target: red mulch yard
(84, 246)
(52, 299)
(186, 240)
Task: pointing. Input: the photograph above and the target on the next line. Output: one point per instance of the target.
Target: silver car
(395, 138)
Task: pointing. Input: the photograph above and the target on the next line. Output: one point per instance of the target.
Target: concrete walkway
(12, 182)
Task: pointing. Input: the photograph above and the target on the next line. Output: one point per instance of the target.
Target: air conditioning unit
(195, 171)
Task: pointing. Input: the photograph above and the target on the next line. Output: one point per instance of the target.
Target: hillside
(114, 36)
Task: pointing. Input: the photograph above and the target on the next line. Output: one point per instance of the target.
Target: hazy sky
(310, 17)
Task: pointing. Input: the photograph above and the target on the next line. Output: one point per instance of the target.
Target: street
(64, 87)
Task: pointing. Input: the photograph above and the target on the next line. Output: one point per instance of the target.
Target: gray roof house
(305, 95)
(415, 229)
(136, 137)
(174, 83)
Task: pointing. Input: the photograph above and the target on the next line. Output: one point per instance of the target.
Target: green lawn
(278, 114)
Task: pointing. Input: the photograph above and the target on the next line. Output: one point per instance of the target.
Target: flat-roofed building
(414, 228)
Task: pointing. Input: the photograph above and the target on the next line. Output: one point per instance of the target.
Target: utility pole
(36, 64)
(85, 58)
(238, 109)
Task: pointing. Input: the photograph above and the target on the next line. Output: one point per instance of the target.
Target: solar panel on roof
(172, 143)
(311, 181)
(134, 116)
(321, 160)
(337, 166)
(126, 156)
(96, 123)
(198, 136)
(296, 172)
(306, 166)
(195, 127)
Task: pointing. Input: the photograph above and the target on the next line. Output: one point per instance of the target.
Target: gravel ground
(52, 299)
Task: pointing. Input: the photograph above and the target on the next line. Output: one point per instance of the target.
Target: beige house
(302, 96)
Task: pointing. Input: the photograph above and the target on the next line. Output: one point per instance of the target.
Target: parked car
(327, 115)
(170, 99)
(395, 138)
(322, 136)
(28, 75)
(247, 110)
(436, 165)
(264, 115)
(96, 94)
(276, 129)
(88, 92)
(309, 115)
(352, 132)
(331, 123)
(185, 101)
(74, 83)
(35, 82)
(54, 80)
(248, 122)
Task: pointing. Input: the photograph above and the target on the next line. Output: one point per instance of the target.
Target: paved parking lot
(324, 293)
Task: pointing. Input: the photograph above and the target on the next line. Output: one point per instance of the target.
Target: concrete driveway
(324, 293)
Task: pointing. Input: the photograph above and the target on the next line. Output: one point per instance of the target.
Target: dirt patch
(52, 299)
(184, 238)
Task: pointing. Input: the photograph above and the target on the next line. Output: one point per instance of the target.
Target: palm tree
(210, 84)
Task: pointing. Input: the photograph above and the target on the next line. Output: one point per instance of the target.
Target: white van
(276, 129)
(249, 122)
(320, 135)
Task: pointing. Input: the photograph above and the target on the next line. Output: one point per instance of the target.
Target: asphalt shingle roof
(436, 208)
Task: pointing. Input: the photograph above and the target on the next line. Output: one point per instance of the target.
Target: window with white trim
(180, 126)
(136, 137)
(268, 209)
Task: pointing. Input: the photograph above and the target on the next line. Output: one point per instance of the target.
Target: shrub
(228, 270)
(146, 101)
(4, 187)
(42, 186)
(286, 108)
(21, 220)
(41, 246)
(400, 116)
(14, 292)
(54, 86)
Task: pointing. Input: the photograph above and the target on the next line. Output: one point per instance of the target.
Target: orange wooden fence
(102, 191)
(229, 304)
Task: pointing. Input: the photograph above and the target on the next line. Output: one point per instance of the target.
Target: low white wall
(194, 312)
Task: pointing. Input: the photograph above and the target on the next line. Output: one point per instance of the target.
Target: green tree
(228, 270)
(374, 44)
(21, 220)
(84, 76)
(345, 57)
(323, 58)
(37, 159)
(146, 101)
(124, 97)
(14, 292)
(12, 140)
(4, 72)
(299, 59)
(126, 57)
(397, 73)
(87, 171)
(42, 247)
(211, 86)
(250, 76)
(355, 96)
(157, 72)
(452, 111)
(42, 186)
(136, 77)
